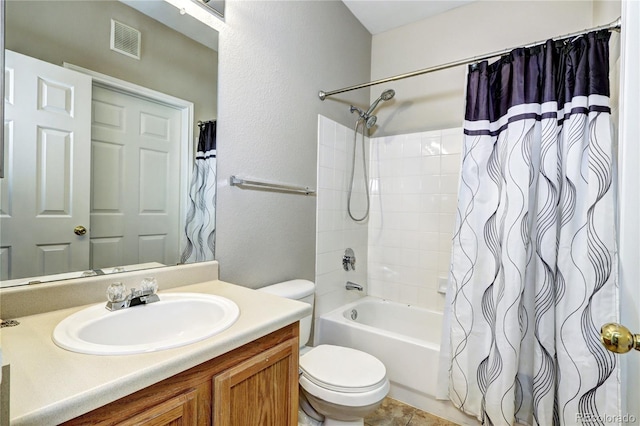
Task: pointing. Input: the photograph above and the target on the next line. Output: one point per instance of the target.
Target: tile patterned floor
(395, 413)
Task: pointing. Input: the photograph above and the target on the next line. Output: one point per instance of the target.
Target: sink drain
(354, 314)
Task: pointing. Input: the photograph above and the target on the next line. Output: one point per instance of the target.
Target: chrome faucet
(353, 286)
(117, 298)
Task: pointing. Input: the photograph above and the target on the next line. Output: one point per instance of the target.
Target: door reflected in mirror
(101, 134)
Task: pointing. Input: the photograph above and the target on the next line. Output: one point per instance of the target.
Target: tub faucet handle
(349, 260)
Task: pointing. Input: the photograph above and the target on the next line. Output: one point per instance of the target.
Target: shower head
(370, 121)
(388, 94)
(385, 96)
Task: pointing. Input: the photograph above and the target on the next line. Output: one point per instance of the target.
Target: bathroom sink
(177, 319)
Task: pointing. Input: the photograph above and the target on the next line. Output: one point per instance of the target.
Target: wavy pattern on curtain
(200, 228)
(534, 259)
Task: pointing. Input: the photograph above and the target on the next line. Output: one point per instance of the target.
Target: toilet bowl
(341, 384)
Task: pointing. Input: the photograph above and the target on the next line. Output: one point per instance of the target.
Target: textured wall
(274, 58)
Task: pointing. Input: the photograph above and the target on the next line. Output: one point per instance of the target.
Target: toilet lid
(342, 369)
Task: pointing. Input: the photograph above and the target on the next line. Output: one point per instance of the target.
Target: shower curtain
(200, 228)
(533, 273)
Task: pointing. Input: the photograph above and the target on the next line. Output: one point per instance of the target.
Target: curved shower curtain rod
(615, 26)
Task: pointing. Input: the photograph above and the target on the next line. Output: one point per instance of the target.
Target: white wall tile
(343, 139)
(326, 157)
(406, 243)
(447, 222)
(430, 144)
(412, 166)
(430, 184)
(428, 259)
(416, 214)
(450, 164)
(449, 184)
(430, 165)
(411, 202)
(393, 147)
(448, 203)
(429, 241)
(430, 222)
(430, 203)
(445, 241)
(452, 141)
(335, 231)
(412, 146)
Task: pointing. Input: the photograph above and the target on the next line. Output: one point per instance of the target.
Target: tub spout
(353, 286)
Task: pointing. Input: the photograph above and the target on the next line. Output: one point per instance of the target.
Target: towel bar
(236, 181)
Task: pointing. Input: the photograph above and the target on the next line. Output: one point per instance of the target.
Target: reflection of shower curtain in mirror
(200, 227)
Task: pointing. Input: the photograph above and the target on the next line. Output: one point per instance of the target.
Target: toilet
(341, 384)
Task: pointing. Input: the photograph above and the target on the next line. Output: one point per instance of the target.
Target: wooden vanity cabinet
(254, 385)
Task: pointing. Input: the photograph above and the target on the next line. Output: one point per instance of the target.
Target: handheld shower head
(385, 96)
(388, 94)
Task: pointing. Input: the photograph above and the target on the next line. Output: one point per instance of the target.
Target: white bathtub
(405, 338)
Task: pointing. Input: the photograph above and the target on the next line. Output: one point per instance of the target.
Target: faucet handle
(149, 284)
(116, 292)
(349, 260)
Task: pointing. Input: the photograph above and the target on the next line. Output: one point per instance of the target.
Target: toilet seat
(343, 375)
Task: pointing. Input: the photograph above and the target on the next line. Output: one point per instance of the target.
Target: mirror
(152, 76)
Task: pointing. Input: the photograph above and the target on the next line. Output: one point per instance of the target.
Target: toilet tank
(301, 290)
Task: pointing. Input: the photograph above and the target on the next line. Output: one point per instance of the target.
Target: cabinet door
(262, 391)
(180, 410)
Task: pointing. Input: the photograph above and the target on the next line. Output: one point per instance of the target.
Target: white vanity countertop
(50, 385)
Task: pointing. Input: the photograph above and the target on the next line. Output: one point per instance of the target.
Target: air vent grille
(125, 39)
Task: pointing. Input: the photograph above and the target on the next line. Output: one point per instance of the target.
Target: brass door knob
(79, 230)
(617, 338)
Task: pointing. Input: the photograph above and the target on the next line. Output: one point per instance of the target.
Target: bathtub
(405, 338)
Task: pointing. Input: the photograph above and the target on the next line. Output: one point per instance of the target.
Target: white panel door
(45, 192)
(135, 180)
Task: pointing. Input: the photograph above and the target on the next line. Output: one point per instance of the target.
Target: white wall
(436, 100)
(274, 58)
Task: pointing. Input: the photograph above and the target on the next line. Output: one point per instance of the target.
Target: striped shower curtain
(534, 261)
(200, 228)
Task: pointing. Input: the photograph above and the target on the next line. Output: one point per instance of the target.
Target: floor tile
(395, 413)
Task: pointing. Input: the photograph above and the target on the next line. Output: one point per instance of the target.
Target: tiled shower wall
(404, 246)
(414, 181)
(335, 230)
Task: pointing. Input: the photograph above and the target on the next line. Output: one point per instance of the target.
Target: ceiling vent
(125, 39)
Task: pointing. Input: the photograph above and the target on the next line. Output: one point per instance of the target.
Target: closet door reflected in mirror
(44, 193)
(135, 191)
